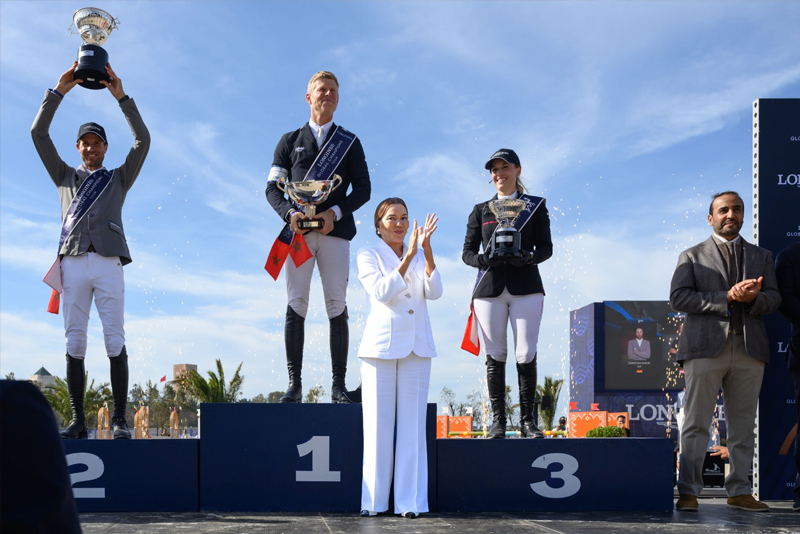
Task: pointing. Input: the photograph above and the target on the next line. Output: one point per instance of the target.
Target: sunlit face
(639, 333)
(504, 176)
(393, 226)
(92, 150)
(324, 97)
(727, 216)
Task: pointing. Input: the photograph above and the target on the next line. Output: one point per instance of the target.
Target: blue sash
(331, 155)
(524, 216)
(87, 194)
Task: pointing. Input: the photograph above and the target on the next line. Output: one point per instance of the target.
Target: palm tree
(93, 398)
(214, 389)
(552, 389)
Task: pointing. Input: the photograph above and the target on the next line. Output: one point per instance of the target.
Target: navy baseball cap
(507, 155)
(92, 127)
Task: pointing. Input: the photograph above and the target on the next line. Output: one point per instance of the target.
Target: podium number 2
(569, 466)
(320, 449)
(94, 471)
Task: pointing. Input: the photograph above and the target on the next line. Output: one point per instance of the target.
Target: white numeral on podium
(569, 465)
(320, 449)
(94, 471)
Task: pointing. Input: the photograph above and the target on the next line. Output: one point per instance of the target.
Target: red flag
(595, 406)
(163, 378)
(279, 251)
(299, 250)
(573, 406)
(471, 342)
(55, 300)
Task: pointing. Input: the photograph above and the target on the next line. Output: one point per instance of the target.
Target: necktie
(320, 137)
(732, 266)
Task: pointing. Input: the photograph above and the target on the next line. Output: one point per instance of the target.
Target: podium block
(140, 475)
(288, 457)
(546, 475)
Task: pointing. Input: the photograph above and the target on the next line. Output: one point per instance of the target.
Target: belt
(734, 332)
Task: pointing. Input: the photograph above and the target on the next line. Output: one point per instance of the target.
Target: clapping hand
(427, 231)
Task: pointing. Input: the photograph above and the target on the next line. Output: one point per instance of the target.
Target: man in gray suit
(93, 248)
(724, 285)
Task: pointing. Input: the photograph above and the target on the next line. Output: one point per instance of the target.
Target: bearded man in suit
(724, 285)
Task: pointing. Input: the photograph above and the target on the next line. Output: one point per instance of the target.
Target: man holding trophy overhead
(315, 166)
(92, 249)
(514, 230)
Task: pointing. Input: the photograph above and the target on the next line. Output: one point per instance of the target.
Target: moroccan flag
(299, 250)
(55, 299)
(471, 342)
(279, 251)
(163, 378)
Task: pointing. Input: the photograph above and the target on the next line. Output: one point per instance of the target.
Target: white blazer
(397, 314)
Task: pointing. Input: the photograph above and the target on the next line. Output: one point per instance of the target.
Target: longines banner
(776, 225)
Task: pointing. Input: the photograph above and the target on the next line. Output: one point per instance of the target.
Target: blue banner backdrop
(776, 225)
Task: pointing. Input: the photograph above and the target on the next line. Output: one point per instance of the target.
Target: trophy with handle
(506, 239)
(309, 194)
(94, 26)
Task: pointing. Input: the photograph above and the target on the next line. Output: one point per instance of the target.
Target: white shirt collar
(513, 195)
(722, 240)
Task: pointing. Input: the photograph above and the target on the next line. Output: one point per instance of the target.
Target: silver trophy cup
(506, 239)
(94, 26)
(309, 194)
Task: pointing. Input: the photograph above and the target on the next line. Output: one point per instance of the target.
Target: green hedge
(606, 432)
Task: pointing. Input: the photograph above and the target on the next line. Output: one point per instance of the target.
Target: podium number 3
(320, 449)
(569, 466)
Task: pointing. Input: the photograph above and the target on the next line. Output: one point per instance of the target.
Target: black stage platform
(713, 517)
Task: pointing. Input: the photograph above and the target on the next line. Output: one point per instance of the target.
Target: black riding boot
(528, 412)
(496, 383)
(294, 336)
(340, 341)
(76, 385)
(119, 389)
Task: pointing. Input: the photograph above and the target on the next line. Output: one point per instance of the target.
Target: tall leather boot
(76, 386)
(528, 411)
(496, 383)
(119, 389)
(294, 336)
(340, 341)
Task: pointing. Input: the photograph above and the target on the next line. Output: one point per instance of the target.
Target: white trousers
(86, 276)
(333, 256)
(395, 390)
(525, 312)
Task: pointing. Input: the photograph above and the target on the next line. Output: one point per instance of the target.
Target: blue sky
(627, 116)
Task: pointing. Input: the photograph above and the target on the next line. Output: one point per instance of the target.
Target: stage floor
(713, 517)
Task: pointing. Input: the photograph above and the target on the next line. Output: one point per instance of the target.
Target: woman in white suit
(396, 352)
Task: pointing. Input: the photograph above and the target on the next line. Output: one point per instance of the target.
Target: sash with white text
(87, 194)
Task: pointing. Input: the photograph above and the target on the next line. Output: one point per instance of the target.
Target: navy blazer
(535, 237)
(296, 152)
(787, 270)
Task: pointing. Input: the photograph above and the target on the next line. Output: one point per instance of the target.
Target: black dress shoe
(409, 515)
(351, 397)
(119, 429)
(368, 513)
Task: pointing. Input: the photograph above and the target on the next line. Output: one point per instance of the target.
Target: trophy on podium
(94, 26)
(506, 239)
(309, 194)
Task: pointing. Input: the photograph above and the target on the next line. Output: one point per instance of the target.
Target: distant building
(179, 370)
(43, 379)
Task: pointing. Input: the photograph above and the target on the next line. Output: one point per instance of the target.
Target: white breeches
(333, 256)
(86, 276)
(525, 312)
(395, 391)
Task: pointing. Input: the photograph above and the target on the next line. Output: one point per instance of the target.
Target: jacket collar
(388, 255)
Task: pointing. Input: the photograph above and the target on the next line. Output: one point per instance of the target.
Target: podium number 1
(320, 449)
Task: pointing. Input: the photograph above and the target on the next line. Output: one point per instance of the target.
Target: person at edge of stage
(93, 254)
(395, 352)
(329, 246)
(725, 286)
(787, 270)
(511, 289)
